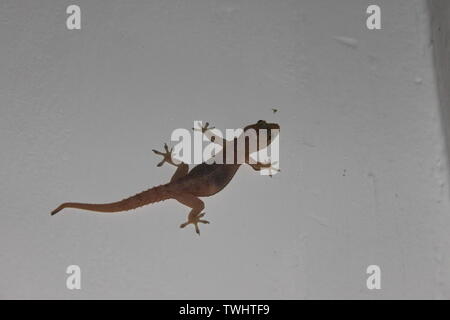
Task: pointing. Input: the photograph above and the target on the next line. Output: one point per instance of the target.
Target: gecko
(187, 187)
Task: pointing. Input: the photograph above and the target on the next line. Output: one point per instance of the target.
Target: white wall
(363, 160)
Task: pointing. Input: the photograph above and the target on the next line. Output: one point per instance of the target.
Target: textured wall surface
(363, 181)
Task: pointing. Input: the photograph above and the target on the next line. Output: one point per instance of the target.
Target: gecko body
(186, 186)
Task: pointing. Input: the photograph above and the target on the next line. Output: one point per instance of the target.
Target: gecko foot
(205, 128)
(270, 166)
(195, 221)
(167, 155)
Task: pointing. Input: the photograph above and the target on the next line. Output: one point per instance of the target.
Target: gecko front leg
(167, 155)
(182, 168)
(258, 166)
(207, 131)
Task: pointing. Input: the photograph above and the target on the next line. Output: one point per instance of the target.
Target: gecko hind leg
(196, 214)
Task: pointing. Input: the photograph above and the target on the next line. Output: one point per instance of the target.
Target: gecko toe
(195, 221)
(167, 155)
(184, 225)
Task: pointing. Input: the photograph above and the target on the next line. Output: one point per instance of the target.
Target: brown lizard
(186, 186)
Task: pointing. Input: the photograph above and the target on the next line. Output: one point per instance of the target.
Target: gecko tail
(152, 195)
(64, 205)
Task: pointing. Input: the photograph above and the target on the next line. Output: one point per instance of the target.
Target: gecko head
(263, 125)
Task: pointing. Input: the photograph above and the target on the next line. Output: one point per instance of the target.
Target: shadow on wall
(440, 37)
